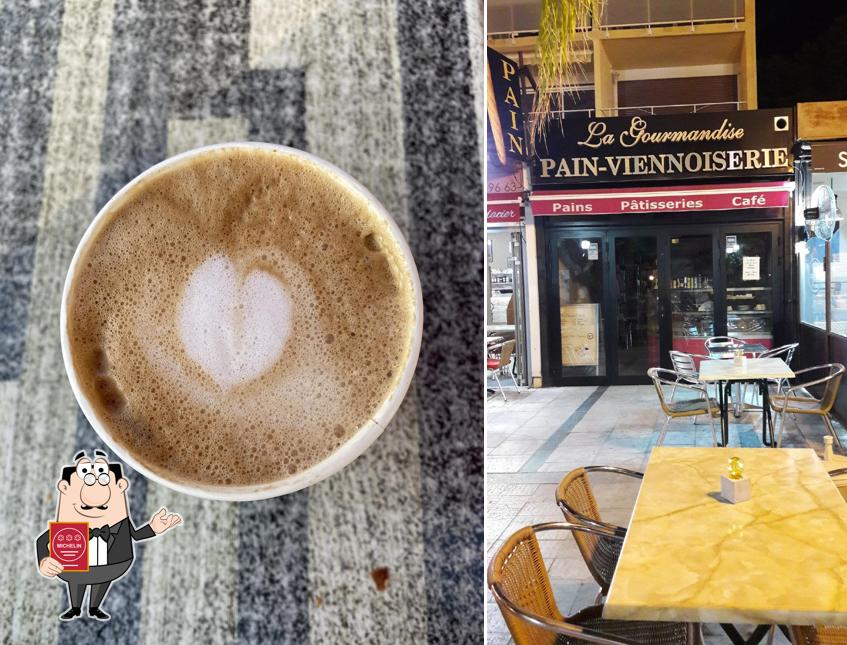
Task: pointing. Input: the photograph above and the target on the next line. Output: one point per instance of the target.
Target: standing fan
(823, 199)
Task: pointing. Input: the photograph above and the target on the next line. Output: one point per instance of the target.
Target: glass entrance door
(692, 292)
(637, 298)
(581, 316)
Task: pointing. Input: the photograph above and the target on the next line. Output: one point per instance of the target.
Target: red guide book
(69, 544)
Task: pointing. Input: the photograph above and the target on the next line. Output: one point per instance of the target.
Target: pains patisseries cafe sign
(747, 143)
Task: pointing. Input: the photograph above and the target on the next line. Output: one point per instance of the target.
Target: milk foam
(234, 328)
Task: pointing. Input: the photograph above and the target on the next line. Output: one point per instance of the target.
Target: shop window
(813, 283)
(838, 278)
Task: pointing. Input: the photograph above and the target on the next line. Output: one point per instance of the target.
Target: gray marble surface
(94, 91)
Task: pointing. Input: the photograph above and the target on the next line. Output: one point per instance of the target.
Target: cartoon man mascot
(94, 492)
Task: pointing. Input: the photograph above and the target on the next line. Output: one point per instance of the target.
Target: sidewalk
(539, 435)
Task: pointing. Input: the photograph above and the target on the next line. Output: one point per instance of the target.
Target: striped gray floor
(93, 92)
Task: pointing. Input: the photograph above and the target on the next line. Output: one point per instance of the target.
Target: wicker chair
(796, 400)
(517, 577)
(579, 506)
(839, 478)
(818, 635)
(824, 635)
(692, 408)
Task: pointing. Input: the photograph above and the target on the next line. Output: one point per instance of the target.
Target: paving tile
(498, 490)
(544, 508)
(597, 438)
(564, 548)
(505, 464)
(517, 447)
(541, 431)
(569, 569)
(494, 439)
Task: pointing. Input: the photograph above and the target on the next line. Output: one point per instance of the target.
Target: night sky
(801, 51)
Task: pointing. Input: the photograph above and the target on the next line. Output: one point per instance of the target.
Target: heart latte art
(234, 329)
(236, 317)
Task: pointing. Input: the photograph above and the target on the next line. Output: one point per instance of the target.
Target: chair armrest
(800, 386)
(615, 469)
(699, 387)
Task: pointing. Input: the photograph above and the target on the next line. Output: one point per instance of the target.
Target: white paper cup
(352, 448)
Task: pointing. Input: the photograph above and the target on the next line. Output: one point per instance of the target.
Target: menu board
(580, 344)
(750, 268)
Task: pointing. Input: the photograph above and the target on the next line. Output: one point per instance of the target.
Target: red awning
(503, 208)
(715, 197)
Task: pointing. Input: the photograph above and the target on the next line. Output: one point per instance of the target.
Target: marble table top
(779, 557)
(753, 368)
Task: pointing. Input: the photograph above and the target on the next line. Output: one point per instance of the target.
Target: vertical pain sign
(505, 117)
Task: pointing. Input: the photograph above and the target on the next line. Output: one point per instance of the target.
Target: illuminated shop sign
(753, 143)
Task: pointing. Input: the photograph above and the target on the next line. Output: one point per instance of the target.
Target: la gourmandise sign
(751, 143)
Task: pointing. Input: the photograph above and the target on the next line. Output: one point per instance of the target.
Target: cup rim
(336, 461)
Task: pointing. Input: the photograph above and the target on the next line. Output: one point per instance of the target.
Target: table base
(724, 392)
(756, 637)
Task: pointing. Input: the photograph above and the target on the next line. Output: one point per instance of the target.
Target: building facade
(640, 284)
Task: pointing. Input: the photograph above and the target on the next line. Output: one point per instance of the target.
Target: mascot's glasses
(90, 478)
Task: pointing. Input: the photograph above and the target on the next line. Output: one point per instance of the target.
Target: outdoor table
(757, 370)
(777, 558)
(727, 350)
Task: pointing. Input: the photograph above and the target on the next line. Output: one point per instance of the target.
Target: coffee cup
(355, 441)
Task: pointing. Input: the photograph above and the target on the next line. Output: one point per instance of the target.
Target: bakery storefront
(656, 232)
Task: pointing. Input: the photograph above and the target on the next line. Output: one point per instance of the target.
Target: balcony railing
(647, 109)
(521, 16)
(624, 14)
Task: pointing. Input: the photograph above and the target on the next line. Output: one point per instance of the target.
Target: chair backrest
(517, 577)
(520, 574)
(715, 342)
(506, 352)
(836, 371)
(574, 495)
(683, 363)
(820, 635)
(785, 352)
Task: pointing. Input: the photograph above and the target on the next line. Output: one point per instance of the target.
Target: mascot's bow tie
(102, 533)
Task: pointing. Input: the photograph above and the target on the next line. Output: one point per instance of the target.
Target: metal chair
(496, 364)
(716, 344)
(517, 578)
(818, 635)
(793, 400)
(691, 408)
(579, 506)
(786, 353)
(726, 343)
(685, 365)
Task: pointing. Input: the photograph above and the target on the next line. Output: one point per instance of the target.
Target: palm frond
(563, 32)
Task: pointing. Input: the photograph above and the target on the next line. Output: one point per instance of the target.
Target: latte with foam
(238, 315)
